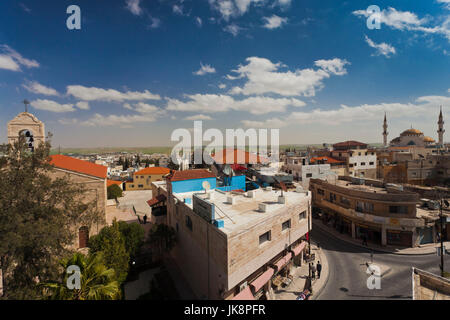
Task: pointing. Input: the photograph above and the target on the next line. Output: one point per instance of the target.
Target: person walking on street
(319, 269)
(313, 271)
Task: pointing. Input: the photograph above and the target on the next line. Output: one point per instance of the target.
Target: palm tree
(97, 281)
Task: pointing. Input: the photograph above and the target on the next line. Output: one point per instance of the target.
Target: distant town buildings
(142, 179)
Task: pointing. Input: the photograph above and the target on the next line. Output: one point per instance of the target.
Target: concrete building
(359, 160)
(232, 243)
(383, 213)
(142, 179)
(428, 286)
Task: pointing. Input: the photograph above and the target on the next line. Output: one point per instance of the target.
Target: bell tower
(28, 125)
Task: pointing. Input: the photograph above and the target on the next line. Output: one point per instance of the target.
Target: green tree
(162, 237)
(112, 243)
(134, 235)
(37, 218)
(114, 191)
(97, 282)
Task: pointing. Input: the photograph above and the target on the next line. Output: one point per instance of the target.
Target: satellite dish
(206, 185)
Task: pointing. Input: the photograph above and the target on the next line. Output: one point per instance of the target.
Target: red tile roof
(77, 165)
(238, 157)
(157, 199)
(349, 144)
(190, 174)
(111, 182)
(153, 170)
(326, 159)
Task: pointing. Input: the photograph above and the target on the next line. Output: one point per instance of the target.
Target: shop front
(369, 232)
(399, 238)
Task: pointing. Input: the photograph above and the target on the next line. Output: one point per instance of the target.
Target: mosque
(414, 137)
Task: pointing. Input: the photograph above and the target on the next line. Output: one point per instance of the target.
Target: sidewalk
(296, 287)
(423, 249)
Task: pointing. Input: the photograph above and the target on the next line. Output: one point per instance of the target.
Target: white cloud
(99, 94)
(156, 23)
(406, 20)
(142, 107)
(12, 60)
(232, 8)
(36, 87)
(204, 69)
(446, 3)
(199, 21)
(222, 86)
(83, 105)
(66, 121)
(365, 112)
(269, 123)
(52, 106)
(234, 29)
(284, 3)
(123, 121)
(382, 48)
(198, 117)
(263, 76)
(134, 7)
(212, 103)
(178, 9)
(274, 22)
(25, 8)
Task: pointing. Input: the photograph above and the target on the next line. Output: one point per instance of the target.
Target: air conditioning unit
(262, 207)
(230, 200)
(251, 194)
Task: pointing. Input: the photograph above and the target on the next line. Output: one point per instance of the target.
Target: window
(359, 153)
(83, 237)
(140, 185)
(132, 185)
(332, 197)
(286, 225)
(302, 215)
(320, 191)
(398, 209)
(309, 175)
(264, 237)
(359, 206)
(366, 154)
(345, 201)
(189, 223)
(351, 165)
(363, 163)
(371, 163)
(177, 226)
(368, 207)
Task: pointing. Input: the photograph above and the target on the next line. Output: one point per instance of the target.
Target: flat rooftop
(245, 211)
(360, 187)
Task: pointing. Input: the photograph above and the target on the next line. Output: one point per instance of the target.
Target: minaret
(441, 129)
(385, 133)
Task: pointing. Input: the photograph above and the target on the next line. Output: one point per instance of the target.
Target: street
(348, 277)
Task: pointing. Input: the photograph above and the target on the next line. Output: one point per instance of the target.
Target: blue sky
(137, 70)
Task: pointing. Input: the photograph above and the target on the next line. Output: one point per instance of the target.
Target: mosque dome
(411, 132)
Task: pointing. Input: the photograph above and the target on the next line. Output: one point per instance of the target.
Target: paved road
(348, 278)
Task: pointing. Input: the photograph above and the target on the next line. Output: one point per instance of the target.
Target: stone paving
(300, 274)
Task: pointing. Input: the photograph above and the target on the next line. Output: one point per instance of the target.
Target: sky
(139, 69)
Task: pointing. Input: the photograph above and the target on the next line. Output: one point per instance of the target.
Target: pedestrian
(145, 219)
(313, 271)
(319, 269)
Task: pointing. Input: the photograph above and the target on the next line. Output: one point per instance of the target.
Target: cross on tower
(26, 103)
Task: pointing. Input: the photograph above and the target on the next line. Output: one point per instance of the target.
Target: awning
(156, 200)
(262, 279)
(299, 248)
(245, 294)
(283, 261)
